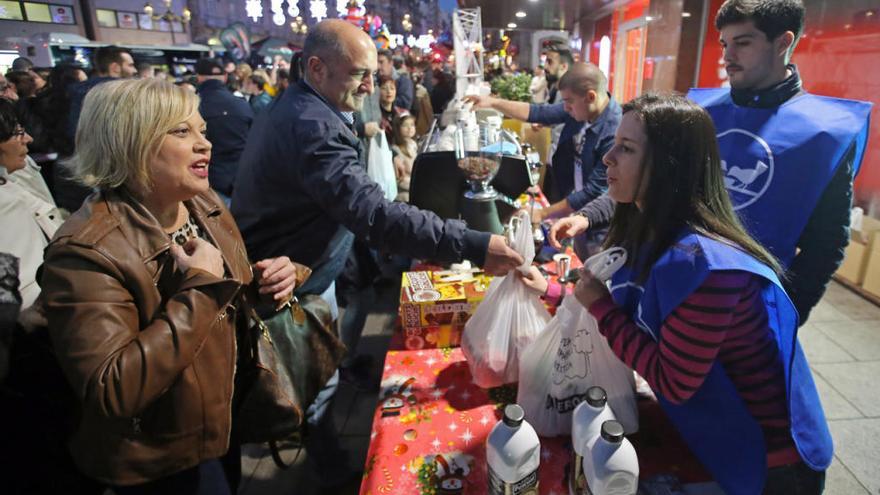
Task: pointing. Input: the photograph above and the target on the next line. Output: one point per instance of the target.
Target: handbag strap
(276, 452)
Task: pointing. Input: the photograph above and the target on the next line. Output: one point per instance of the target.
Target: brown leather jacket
(150, 352)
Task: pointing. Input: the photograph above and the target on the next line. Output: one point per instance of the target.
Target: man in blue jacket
(228, 119)
(590, 117)
(302, 192)
(402, 81)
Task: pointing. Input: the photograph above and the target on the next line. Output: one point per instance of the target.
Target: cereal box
(434, 306)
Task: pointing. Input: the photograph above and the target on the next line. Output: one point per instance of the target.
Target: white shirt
(28, 220)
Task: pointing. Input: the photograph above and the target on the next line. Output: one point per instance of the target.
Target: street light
(168, 16)
(298, 26)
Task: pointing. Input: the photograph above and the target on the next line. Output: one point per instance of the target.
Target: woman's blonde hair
(121, 128)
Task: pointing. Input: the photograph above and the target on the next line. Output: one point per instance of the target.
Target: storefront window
(106, 18)
(37, 12)
(11, 10)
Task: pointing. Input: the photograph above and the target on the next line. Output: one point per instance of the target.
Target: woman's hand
(589, 289)
(198, 253)
(277, 276)
(534, 280)
(564, 228)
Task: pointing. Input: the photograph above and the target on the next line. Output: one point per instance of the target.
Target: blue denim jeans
(322, 439)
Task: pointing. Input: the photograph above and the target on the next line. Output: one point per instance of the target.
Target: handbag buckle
(299, 315)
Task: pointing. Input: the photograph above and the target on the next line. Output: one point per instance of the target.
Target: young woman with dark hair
(699, 310)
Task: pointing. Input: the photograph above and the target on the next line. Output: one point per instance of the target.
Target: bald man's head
(333, 39)
(583, 77)
(339, 62)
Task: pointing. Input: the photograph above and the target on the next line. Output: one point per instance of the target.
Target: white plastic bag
(380, 166)
(507, 321)
(569, 357)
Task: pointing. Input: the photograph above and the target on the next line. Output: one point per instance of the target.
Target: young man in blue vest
(789, 157)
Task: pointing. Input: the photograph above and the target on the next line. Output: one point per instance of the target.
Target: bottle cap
(596, 397)
(612, 431)
(513, 415)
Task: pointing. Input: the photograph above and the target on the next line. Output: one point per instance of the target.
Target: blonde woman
(142, 289)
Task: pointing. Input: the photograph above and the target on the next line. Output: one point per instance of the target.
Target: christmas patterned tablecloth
(431, 423)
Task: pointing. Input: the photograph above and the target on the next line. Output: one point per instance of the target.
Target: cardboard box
(434, 306)
(871, 282)
(855, 262)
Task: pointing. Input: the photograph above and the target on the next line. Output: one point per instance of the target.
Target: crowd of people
(148, 214)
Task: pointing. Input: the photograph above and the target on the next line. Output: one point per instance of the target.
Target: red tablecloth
(428, 407)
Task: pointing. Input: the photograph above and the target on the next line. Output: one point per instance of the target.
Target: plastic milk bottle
(612, 468)
(586, 426)
(513, 453)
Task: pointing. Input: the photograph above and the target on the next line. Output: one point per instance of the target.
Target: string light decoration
(292, 8)
(254, 9)
(278, 12)
(318, 8)
(298, 26)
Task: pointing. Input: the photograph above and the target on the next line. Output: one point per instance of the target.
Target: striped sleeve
(692, 335)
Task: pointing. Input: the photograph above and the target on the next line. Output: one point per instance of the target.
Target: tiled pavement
(841, 340)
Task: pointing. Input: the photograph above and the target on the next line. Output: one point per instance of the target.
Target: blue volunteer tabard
(715, 422)
(778, 161)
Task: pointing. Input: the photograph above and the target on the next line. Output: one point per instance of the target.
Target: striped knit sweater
(724, 320)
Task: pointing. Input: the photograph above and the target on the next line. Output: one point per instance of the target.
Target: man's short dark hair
(25, 84)
(387, 54)
(22, 64)
(771, 17)
(258, 80)
(108, 55)
(565, 56)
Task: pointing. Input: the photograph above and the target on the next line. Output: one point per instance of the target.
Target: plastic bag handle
(513, 227)
(603, 265)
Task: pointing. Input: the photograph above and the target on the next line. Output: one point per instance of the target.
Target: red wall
(843, 63)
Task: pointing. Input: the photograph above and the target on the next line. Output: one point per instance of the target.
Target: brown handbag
(284, 361)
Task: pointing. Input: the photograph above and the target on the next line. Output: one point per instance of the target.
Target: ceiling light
(520, 14)
(685, 14)
(511, 25)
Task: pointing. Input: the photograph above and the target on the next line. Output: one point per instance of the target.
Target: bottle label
(577, 480)
(526, 486)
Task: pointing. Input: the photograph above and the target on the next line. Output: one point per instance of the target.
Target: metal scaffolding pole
(467, 30)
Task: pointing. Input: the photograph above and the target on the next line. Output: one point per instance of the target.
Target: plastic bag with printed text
(571, 356)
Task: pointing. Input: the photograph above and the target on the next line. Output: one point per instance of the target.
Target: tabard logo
(747, 163)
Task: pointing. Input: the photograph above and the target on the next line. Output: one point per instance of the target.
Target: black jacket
(300, 178)
(229, 119)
